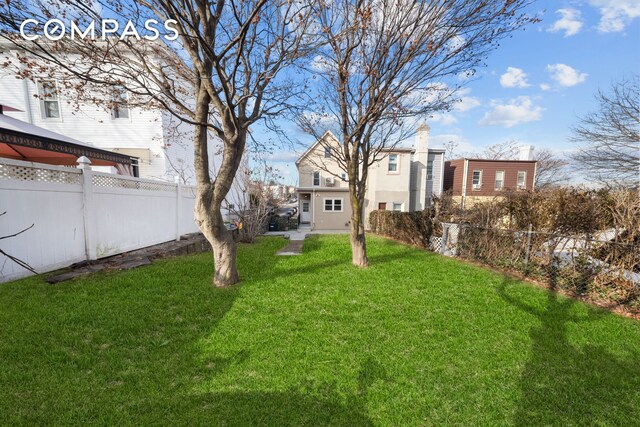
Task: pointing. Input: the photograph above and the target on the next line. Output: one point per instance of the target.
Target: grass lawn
(416, 339)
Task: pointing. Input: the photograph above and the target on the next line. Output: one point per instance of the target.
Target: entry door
(382, 206)
(305, 214)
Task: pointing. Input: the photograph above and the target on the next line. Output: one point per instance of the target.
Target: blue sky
(539, 82)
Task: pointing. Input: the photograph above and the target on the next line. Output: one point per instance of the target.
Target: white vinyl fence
(78, 214)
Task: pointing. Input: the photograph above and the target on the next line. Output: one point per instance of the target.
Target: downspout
(27, 100)
(441, 185)
(313, 211)
(464, 182)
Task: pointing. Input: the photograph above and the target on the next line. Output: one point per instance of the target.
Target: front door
(305, 214)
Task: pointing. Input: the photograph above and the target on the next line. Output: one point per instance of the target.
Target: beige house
(405, 180)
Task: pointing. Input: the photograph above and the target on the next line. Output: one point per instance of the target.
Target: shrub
(415, 228)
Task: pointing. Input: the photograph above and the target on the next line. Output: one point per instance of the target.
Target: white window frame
(500, 181)
(333, 204)
(343, 177)
(429, 169)
(116, 99)
(393, 207)
(313, 179)
(43, 100)
(396, 163)
(524, 180)
(477, 186)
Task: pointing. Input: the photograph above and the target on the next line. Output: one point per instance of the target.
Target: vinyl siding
(91, 124)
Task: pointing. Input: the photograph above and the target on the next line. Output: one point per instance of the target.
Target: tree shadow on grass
(254, 408)
(564, 384)
(311, 404)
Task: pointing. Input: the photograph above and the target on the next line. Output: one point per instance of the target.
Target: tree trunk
(210, 195)
(357, 237)
(211, 223)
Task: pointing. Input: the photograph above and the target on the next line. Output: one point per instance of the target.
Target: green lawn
(416, 339)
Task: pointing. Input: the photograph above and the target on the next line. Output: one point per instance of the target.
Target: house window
(430, 169)
(135, 167)
(327, 152)
(333, 205)
(393, 162)
(476, 180)
(49, 103)
(397, 207)
(316, 179)
(343, 176)
(119, 100)
(522, 179)
(499, 180)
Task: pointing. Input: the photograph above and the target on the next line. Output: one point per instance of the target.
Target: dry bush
(415, 228)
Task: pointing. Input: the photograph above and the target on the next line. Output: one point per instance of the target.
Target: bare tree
(551, 169)
(608, 140)
(260, 201)
(385, 64)
(222, 75)
(451, 150)
(15, 259)
(507, 150)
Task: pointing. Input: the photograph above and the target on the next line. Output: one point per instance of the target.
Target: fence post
(84, 164)
(527, 250)
(445, 238)
(178, 206)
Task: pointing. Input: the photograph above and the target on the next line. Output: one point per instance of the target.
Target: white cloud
(615, 15)
(516, 111)
(320, 64)
(545, 86)
(462, 102)
(565, 75)
(466, 102)
(445, 119)
(282, 157)
(570, 22)
(514, 77)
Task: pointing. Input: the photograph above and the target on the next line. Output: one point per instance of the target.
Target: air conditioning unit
(330, 181)
(477, 186)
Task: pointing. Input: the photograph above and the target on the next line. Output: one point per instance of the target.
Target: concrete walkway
(293, 248)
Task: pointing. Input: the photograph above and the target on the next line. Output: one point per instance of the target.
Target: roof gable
(325, 136)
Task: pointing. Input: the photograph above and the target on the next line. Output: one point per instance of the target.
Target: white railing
(78, 214)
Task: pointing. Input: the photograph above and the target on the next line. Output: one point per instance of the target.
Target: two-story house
(474, 180)
(405, 179)
(161, 143)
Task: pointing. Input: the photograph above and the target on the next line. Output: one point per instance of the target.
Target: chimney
(526, 152)
(422, 138)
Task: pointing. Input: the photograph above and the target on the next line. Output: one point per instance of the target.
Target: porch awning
(25, 141)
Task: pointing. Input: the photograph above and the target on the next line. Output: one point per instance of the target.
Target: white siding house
(161, 142)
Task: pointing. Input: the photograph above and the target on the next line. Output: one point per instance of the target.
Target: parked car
(285, 212)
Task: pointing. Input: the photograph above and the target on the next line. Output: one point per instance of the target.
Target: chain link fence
(594, 266)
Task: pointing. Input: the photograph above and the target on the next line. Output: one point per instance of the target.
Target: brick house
(472, 180)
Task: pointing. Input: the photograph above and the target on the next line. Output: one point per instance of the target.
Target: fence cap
(84, 162)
